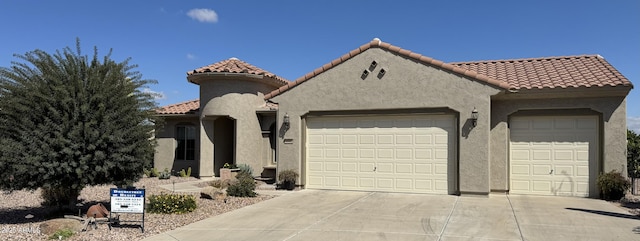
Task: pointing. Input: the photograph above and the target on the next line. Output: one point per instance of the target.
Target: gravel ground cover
(17, 205)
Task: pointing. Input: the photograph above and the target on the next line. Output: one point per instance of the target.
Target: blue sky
(290, 38)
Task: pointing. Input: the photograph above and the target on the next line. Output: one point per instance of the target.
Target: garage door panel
(384, 167)
(541, 170)
(404, 184)
(349, 139)
(553, 155)
(381, 153)
(367, 183)
(367, 139)
(424, 169)
(423, 139)
(349, 181)
(541, 155)
(332, 181)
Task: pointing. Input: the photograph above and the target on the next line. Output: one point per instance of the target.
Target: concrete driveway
(343, 215)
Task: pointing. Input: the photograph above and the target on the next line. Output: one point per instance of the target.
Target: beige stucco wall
(237, 97)
(165, 150)
(612, 111)
(406, 85)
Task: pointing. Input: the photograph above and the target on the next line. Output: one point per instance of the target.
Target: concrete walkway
(343, 215)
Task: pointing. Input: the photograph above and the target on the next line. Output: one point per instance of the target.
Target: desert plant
(183, 173)
(171, 203)
(153, 172)
(288, 178)
(222, 184)
(244, 187)
(147, 172)
(165, 174)
(229, 165)
(288, 175)
(612, 185)
(56, 196)
(70, 120)
(62, 234)
(246, 168)
(189, 172)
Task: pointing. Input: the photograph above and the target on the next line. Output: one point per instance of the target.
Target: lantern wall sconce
(474, 116)
(286, 121)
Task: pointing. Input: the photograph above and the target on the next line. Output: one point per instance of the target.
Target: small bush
(183, 173)
(244, 187)
(220, 183)
(171, 203)
(153, 172)
(288, 175)
(58, 196)
(246, 168)
(62, 234)
(147, 172)
(165, 174)
(189, 172)
(612, 185)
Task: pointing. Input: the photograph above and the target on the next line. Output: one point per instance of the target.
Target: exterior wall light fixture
(474, 116)
(285, 121)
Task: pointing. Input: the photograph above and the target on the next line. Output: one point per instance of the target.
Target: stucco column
(206, 147)
(474, 152)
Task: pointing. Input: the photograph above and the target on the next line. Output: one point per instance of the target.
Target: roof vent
(377, 40)
(233, 58)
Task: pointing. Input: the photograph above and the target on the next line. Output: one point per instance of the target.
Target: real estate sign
(127, 200)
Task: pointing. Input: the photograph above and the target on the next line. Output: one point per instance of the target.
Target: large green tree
(68, 120)
(633, 154)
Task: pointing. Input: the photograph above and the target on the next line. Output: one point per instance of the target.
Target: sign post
(127, 200)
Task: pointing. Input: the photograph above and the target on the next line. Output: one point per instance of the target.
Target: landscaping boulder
(97, 211)
(49, 227)
(213, 193)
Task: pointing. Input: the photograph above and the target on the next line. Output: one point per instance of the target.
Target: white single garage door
(553, 155)
(381, 153)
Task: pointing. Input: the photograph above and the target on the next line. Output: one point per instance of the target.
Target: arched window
(186, 137)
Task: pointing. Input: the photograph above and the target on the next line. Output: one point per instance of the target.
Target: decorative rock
(97, 211)
(49, 227)
(213, 193)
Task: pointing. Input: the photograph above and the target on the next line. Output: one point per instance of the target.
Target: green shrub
(183, 173)
(244, 187)
(189, 172)
(288, 175)
(165, 174)
(147, 172)
(59, 196)
(218, 183)
(612, 185)
(62, 234)
(154, 172)
(246, 168)
(171, 203)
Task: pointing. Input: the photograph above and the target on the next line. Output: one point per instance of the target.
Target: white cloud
(203, 15)
(158, 95)
(191, 56)
(633, 123)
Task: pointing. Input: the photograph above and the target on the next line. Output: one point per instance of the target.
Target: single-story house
(383, 118)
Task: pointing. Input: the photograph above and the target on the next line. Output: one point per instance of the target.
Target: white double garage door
(417, 154)
(412, 153)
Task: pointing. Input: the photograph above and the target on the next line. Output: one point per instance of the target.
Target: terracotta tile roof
(188, 107)
(376, 43)
(557, 72)
(234, 65)
(550, 72)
